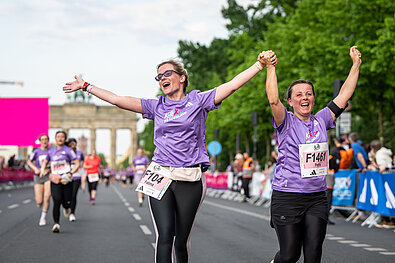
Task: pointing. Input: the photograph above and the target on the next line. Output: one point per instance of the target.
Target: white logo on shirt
(174, 114)
(189, 104)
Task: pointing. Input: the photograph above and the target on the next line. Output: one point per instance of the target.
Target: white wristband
(88, 89)
(257, 64)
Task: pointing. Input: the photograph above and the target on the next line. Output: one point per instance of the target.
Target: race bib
(60, 167)
(140, 169)
(93, 178)
(314, 159)
(155, 181)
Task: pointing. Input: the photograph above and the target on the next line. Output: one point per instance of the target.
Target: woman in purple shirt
(42, 186)
(179, 138)
(299, 208)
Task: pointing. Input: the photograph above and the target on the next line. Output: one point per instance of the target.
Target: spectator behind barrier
(360, 155)
(383, 156)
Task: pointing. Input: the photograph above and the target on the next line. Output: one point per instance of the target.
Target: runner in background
(72, 143)
(107, 173)
(139, 165)
(123, 174)
(42, 185)
(61, 158)
(130, 174)
(91, 165)
(248, 171)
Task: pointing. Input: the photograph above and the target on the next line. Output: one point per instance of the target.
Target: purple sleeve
(326, 116)
(206, 99)
(32, 156)
(148, 106)
(285, 122)
(71, 154)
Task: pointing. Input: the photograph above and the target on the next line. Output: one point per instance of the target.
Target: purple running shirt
(293, 132)
(179, 134)
(37, 156)
(80, 156)
(61, 159)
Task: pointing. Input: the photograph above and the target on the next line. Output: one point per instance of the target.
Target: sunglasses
(167, 73)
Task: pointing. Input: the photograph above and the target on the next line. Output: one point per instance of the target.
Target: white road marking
(360, 245)
(375, 249)
(131, 209)
(13, 206)
(26, 201)
(388, 253)
(347, 241)
(335, 238)
(137, 217)
(153, 244)
(267, 218)
(127, 204)
(145, 230)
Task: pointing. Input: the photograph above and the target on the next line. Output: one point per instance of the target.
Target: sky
(115, 44)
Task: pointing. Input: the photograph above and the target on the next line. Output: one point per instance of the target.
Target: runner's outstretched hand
(268, 58)
(355, 56)
(74, 86)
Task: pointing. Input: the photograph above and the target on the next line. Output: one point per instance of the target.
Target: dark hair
(376, 145)
(71, 140)
(42, 136)
(339, 139)
(179, 68)
(295, 82)
(65, 134)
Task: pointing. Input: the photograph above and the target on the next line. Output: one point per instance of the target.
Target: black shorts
(291, 208)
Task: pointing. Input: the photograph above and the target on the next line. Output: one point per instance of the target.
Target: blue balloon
(214, 148)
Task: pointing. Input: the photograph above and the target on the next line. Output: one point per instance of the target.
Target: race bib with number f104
(155, 181)
(314, 159)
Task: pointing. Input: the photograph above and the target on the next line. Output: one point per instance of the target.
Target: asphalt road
(117, 230)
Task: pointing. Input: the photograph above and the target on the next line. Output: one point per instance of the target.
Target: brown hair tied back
(179, 68)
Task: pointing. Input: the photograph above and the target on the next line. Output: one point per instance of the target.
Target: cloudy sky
(113, 44)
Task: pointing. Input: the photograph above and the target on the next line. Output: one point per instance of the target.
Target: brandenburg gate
(90, 116)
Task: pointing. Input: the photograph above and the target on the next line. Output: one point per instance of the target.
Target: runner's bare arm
(76, 166)
(43, 165)
(33, 167)
(225, 90)
(348, 88)
(272, 88)
(124, 102)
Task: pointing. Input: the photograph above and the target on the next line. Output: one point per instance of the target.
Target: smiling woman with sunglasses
(180, 152)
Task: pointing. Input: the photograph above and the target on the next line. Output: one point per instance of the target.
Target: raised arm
(348, 88)
(272, 87)
(124, 102)
(225, 90)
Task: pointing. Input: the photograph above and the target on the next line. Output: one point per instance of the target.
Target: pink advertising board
(23, 120)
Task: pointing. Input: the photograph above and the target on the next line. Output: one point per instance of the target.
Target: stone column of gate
(133, 145)
(113, 147)
(93, 140)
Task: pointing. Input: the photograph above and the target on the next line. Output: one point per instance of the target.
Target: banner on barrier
(344, 189)
(376, 192)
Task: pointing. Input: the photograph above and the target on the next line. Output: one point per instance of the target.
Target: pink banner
(23, 120)
(219, 181)
(15, 175)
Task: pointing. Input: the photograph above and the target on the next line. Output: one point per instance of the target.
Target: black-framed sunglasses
(167, 73)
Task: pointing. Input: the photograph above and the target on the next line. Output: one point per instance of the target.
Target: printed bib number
(155, 181)
(93, 178)
(314, 159)
(60, 167)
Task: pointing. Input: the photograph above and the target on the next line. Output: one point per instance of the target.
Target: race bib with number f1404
(314, 159)
(155, 181)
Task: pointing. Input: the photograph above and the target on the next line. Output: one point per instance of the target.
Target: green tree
(103, 159)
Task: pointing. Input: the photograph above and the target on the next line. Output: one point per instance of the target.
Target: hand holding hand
(355, 55)
(268, 58)
(74, 86)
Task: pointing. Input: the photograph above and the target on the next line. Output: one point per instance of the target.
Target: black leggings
(61, 195)
(173, 218)
(76, 185)
(309, 234)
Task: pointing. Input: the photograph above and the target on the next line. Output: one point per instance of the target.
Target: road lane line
(347, 241)
(388, 253)
(267, 218)
(145, 230)
(335, 238)
(360, 245)
(13, 206)
(127, 204)
(374, 249)
(26, 201)
(137, 217)
(131, 209)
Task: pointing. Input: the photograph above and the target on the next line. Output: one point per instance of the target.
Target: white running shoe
(66, 212)
(42, 222)
(56, 228)
(72, 218)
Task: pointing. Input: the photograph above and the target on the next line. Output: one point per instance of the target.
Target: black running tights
(309, 234)
(76, 185)
(61, 195)
(173, 218)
